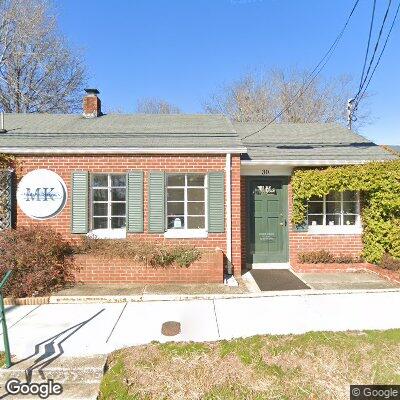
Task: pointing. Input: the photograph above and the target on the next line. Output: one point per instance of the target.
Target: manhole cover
(171, 328)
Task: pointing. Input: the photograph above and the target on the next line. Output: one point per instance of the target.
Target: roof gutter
(307, 162)
(121, 150)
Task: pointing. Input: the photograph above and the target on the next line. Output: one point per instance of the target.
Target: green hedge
(379, 185)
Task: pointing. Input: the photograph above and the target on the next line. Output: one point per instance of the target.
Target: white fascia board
(121, 150)
(306, 162)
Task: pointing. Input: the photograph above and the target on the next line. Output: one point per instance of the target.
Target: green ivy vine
(379, 185)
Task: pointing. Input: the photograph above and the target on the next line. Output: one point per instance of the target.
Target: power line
(313, 74)
(364, 79)
(379, 58)
(369, 42)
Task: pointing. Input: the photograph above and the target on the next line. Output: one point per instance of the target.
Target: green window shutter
(156, 202)
(135, 201)
(79, 202)
(216, 207)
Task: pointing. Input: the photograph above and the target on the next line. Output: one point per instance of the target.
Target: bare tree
(38, 70)
(261, 99)
(156, 106)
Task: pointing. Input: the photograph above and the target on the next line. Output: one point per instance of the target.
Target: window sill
(334, 230)
(108, 233)
(186, 234)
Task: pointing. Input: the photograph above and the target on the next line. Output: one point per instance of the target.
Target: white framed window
(186, 206)
(108, 205)
(337, 212)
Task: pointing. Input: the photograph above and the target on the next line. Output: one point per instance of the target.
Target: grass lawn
(311, 366)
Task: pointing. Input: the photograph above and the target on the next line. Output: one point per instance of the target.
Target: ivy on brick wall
(379, 185)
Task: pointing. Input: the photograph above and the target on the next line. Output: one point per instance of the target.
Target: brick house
(199, 179)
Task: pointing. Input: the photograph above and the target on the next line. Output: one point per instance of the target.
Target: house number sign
(41, 194)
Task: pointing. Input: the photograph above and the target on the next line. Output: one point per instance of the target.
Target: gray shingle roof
(115, 130)
(314, 141)
(55, 133)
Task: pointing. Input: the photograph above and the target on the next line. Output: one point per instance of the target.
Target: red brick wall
(208, 269)
(303, 241)
(64, 165)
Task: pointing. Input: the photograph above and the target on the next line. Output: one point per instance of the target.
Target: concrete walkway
(69, 330)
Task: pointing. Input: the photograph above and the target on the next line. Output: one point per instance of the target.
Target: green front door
(267, 226)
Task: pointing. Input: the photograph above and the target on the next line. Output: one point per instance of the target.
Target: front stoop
(80, 377)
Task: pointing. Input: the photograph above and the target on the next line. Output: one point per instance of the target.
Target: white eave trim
(121, 150)
(306, 162)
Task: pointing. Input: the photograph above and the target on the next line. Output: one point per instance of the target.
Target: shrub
(389, 262)
(147, 253)
(379, 184)
(40, 259)
(325, 257)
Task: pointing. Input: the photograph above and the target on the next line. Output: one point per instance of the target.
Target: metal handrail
(3, 320)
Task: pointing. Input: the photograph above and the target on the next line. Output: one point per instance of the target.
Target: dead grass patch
(310, 366)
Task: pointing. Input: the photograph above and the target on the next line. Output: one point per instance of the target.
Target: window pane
(100, 209)
(99, 223)
(332, 219)
(100, 194)
(175, 194)
(176, 223)
(100, 180)
(195, 180)
(333, 207)
(196, 194)
(315, 208)
(195, 208)
(117, 222)
(333, 196)
(315, 220)
(118, 180)
(196, 223)
(118, 194)
(349, 207)
(118, 209)
(349, 196)
(175, 208)
(176, 180)
(316, 198)
(349, 219)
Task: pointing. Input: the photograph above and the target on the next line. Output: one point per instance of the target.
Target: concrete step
(71, 391)
(62, 370)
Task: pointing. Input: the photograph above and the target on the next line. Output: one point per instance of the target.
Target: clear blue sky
(183, 50)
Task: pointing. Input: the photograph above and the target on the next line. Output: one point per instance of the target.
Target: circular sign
(41, 194)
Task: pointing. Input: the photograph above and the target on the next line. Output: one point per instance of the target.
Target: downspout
(228, 193)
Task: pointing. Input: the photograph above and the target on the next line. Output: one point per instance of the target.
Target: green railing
(3, 320)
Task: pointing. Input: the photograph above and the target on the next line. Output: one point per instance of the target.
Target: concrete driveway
(90, 329)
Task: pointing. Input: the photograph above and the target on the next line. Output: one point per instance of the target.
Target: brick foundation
(208, 269)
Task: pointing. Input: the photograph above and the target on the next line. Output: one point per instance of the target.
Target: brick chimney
(91, 104)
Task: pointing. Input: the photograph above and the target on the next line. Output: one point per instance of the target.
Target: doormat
(277, 279)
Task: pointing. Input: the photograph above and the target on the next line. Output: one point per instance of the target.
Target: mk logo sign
(40, 194)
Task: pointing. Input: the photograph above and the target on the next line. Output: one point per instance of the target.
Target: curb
(26, 301)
